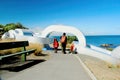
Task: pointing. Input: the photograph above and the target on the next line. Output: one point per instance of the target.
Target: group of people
(63, 41)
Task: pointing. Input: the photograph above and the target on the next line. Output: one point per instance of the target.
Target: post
(23, 56)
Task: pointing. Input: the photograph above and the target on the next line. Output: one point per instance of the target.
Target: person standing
(63, 41)
(55, 45)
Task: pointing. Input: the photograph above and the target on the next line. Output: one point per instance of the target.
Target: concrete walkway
(58, 67)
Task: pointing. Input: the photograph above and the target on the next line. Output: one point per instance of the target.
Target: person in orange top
(55, 45)
(63, 40)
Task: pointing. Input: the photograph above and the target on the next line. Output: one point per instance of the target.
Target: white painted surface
(25, 34)
(106, 57)
(116, 53)
(100, 49)
(66, 29)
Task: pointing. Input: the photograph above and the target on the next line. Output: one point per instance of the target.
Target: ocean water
(114, 40)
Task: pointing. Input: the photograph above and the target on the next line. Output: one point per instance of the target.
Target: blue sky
(92, 17)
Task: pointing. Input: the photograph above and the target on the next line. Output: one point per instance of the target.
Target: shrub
(70, 39)
(36, 46)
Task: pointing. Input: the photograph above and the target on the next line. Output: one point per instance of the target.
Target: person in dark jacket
(63, 41)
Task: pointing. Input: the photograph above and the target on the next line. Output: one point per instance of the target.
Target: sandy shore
(101, 69)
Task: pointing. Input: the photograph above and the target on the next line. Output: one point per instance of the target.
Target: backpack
(62, 40)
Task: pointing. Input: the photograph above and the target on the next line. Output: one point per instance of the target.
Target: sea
(98, 40)
(114, 40)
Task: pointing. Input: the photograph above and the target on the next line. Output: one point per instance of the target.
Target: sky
(92, 17)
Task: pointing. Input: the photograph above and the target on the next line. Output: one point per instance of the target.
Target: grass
(113, 65)
(110, 49)
(36, 46)
(9, 51)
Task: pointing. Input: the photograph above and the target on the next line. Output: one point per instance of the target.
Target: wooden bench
(16, 44)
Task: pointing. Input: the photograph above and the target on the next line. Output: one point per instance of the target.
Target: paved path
(58, 67)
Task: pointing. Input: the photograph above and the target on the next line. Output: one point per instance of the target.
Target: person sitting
(72, 48)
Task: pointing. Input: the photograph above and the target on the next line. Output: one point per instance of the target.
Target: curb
(86, 68)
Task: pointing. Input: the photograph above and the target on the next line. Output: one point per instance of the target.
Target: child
(72, 48)
(55, 45)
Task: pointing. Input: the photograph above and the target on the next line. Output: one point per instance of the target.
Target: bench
(16, 44)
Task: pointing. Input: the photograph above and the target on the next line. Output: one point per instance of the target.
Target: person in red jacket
(55, 45)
